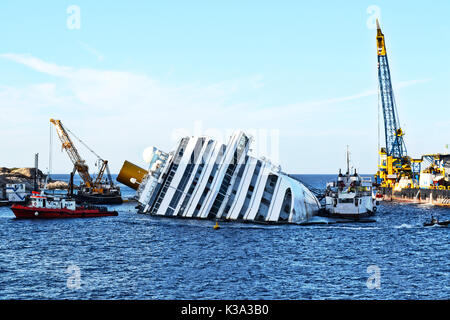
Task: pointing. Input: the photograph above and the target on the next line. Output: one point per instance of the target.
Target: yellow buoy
(216, 226)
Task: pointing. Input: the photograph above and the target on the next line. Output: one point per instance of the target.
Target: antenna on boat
(35, 176)
(348, 161)
(49, 159)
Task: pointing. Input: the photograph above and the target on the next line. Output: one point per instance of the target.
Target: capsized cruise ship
(205, 179)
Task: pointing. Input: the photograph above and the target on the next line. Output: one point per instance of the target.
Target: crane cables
(99, 158)
(84, 144)
(379, 122)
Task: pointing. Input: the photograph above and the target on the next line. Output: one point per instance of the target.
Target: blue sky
(142, 73)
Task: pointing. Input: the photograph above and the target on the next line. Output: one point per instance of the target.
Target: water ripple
(140, 257)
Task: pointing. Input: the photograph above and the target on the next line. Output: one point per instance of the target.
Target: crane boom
(67, 144)
(104, 165)
(395, 145)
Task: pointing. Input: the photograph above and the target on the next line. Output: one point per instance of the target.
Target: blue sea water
(136, 256)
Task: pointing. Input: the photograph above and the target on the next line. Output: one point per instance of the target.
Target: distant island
(26, 176)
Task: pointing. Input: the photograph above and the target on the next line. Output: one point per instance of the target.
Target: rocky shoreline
(26, 176)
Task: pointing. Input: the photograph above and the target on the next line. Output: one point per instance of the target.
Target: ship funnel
(131, 175)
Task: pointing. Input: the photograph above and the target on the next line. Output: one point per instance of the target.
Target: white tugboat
(350, 196)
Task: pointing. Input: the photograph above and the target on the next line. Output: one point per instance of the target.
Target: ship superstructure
(435, 172)
(206, 179)
(350, 196)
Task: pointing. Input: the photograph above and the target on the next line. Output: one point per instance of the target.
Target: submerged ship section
(205, 179)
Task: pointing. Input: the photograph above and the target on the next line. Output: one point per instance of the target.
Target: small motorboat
(45, 207)
(435, 222)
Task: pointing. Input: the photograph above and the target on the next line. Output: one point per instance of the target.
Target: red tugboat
(45, 207)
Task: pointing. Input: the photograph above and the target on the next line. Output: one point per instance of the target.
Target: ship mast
(348, 161)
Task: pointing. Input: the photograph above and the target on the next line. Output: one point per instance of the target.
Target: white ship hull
(363, 206)
(204, 179)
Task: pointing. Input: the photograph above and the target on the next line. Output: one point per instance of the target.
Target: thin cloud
(405, 84)
(143, 109)
(39, 65)
(98, 76)
(363, 94)
(92, 50)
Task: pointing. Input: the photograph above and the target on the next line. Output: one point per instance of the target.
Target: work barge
(426, 186)
(439, 197)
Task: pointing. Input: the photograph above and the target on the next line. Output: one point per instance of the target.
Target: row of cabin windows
(172, 170)
(210, 180)
(266, 198)
(250, 189)
(226, 182)
(191, 189)
(223, 190)
(186, 176)
(286, 206)
(236, 185)
(163, 190)
(200, 168)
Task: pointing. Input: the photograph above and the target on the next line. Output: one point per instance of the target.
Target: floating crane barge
(400, 177)
(98, 190)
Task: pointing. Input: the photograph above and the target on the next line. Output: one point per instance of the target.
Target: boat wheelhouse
(205, 179)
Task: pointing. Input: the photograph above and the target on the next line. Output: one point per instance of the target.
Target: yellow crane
(94, 186)
(394, 160)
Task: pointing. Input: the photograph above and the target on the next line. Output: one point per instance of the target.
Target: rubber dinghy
(434, 223)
